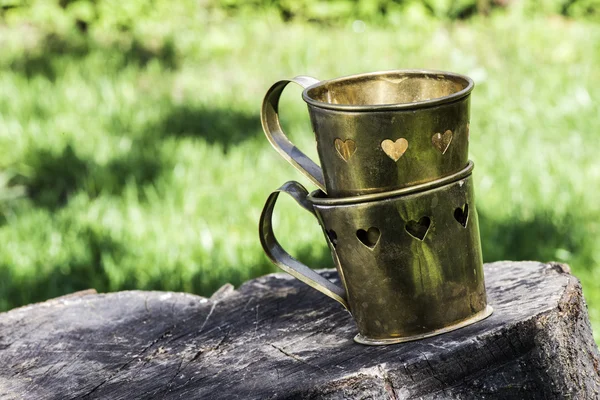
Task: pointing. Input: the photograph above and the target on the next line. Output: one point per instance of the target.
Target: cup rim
(318, 197)
(398, 106)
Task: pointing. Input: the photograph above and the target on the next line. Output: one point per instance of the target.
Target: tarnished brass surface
(481, 315)
(319, 197)
(380, 131)
(410, 265)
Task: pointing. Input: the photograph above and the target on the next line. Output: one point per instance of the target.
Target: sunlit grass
(147, 168)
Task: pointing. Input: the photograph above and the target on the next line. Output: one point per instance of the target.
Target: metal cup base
(480, 316)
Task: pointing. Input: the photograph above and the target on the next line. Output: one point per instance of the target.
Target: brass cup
(378, 132)
(409, 261)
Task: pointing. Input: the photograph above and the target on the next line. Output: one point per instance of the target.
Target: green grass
(138, 160)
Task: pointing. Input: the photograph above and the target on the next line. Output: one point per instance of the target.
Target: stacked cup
(395, 200)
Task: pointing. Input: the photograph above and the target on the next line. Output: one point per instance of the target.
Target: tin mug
(379, 131)
(409, 261)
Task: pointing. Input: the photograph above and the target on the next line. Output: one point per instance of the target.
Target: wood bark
(274, 338)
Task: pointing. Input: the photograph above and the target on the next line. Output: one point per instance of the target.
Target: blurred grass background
(132, 157)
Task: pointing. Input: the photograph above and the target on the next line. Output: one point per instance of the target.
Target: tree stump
(275, 338)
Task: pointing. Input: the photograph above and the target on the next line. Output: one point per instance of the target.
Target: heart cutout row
(345, 148)
(417, 229)
(370, 237)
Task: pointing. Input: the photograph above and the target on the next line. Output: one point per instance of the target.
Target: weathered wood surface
(276, 338)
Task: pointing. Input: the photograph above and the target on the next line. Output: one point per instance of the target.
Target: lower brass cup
(410, 263)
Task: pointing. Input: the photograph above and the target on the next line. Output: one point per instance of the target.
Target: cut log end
(276, 338)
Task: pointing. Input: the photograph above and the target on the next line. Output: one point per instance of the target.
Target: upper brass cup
(378, 132)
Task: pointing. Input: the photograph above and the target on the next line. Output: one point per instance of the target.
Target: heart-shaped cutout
(345, 148)
(394, 150)
(442, 141)
(369, 238)
(418, 229)
(461, 214)
(332, 237)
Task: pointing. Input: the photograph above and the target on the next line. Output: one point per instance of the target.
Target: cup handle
(285, 261)
(270, 122)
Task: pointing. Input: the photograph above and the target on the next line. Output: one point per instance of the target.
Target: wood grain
(275, 338)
